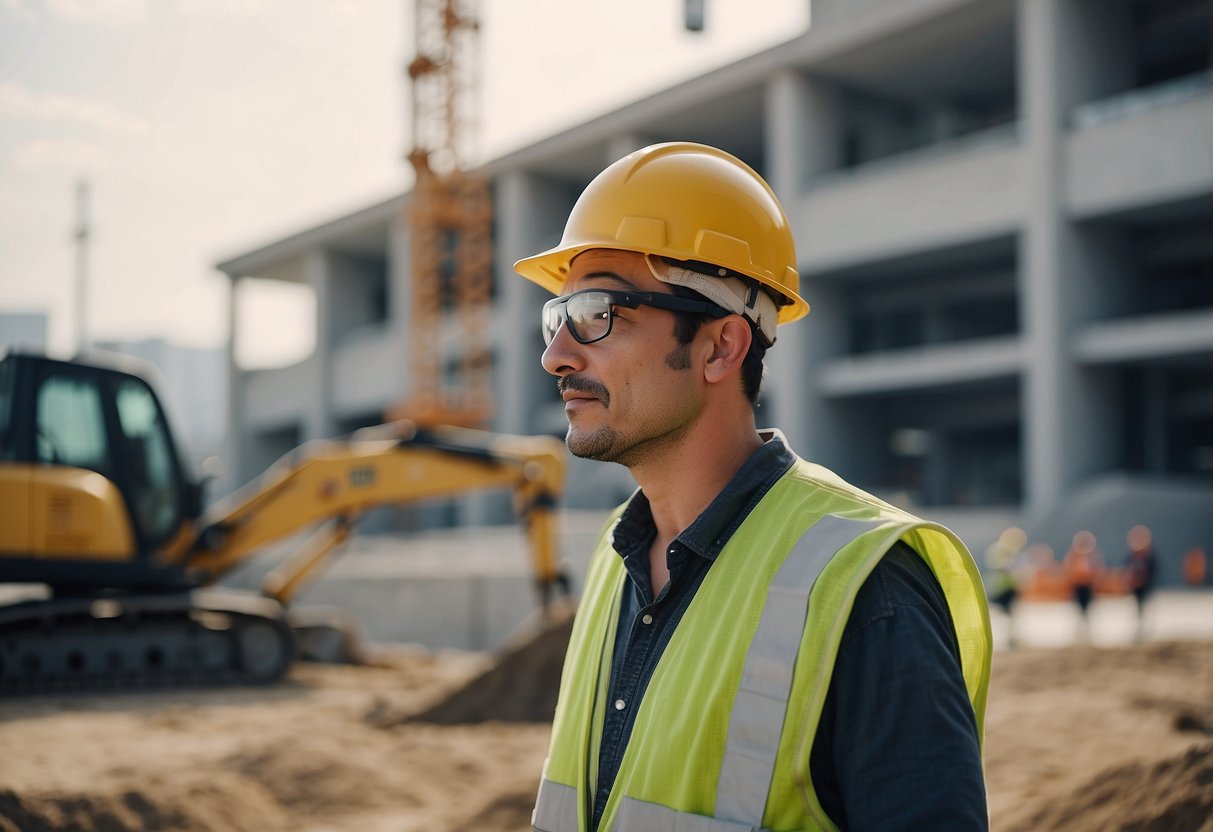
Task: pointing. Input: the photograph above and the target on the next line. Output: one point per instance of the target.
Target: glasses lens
(588, 317)
(553, 316)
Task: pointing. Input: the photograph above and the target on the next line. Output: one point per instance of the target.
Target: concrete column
(234, 445)
(622, 144)
(1066, 49)
(1044, 323)
(803, 138)
(400, 300)
(803, 129)
(318, 419)
(529, 218)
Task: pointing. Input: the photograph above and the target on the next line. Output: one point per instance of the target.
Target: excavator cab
(90, 470)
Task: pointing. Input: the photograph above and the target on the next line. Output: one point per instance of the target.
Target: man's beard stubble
(605, 444)
(600, 444)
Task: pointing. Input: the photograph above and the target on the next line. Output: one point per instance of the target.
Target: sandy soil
(1078, 739)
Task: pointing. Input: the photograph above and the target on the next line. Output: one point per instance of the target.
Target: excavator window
(70, 424)
(153, 481)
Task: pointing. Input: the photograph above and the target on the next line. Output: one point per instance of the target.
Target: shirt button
(646, 618)
(620, 704)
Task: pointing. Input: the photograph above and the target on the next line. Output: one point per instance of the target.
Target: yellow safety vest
(754, 652)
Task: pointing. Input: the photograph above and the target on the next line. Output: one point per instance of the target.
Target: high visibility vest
(753, 653)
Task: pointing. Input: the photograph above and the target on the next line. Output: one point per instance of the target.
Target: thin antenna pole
(694, 13)
(81, 237)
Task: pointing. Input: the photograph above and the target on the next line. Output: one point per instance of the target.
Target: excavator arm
(337, 481)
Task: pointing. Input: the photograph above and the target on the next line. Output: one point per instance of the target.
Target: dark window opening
(1172, 39)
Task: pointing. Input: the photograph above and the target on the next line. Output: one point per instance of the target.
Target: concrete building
(23, 329)
(1004, 216)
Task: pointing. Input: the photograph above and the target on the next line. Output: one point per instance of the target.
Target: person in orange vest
(1081, 565)
(1194, 567)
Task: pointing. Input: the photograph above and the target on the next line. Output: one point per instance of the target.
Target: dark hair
(686, 326)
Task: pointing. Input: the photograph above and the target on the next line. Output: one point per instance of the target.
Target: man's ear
(731, 337)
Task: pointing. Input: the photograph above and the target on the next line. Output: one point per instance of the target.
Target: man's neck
(684, 480)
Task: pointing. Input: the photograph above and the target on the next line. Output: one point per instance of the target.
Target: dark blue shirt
(897, 743)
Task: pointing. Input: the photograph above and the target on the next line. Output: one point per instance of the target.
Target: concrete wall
(367, 372)
(922, 201)
(274, 397)
(1140, 158)
(925, 367)
(465, 589)
(23, 329)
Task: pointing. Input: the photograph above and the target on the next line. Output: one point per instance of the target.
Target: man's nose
(564, 355)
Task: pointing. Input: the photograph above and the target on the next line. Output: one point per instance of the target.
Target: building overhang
(362, 232)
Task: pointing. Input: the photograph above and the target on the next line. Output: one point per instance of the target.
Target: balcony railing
(1000, 135)
(1137, 101)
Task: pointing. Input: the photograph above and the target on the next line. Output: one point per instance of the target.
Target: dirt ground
(1078, 738)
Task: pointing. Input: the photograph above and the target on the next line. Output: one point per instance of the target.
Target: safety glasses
(589, 313)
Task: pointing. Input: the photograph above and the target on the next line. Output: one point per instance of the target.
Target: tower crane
(449, 217)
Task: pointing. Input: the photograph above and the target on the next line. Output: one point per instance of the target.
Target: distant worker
(1081, 565)
(1004, 560)
(1045, 579)
(759, 644)
(1194, 566)
(1140, 571)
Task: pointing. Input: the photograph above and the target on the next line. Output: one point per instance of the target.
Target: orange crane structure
(449, 218)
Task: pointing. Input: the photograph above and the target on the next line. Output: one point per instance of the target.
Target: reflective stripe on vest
(641, 816)
(757, 716)
(756, 720)
(556, 811)
(555, 808)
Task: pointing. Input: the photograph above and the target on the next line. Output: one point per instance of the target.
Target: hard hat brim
(550, 269)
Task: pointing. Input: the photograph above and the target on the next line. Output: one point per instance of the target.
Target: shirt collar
(713, 528)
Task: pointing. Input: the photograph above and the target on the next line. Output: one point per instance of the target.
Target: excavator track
(187, 639)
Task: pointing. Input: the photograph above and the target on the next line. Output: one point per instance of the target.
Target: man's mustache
(580, 384)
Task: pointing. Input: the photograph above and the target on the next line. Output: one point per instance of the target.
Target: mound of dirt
(1171, 794)
(153, 805)
(520, 686)
(1080, 739)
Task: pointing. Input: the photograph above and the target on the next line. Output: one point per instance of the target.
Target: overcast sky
(206, 127)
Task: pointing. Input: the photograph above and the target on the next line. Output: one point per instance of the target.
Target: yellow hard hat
(685, 202)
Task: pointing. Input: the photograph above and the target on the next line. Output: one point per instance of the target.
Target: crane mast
(449, 217)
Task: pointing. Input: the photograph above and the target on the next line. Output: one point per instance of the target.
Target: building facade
(1004, 218)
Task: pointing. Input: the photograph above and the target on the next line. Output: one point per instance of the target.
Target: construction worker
(759, 644)
(1004, 560)
(1141, 567)
(1081, 564)
(1194, 566)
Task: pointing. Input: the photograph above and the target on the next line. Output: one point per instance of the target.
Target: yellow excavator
(97, 503)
